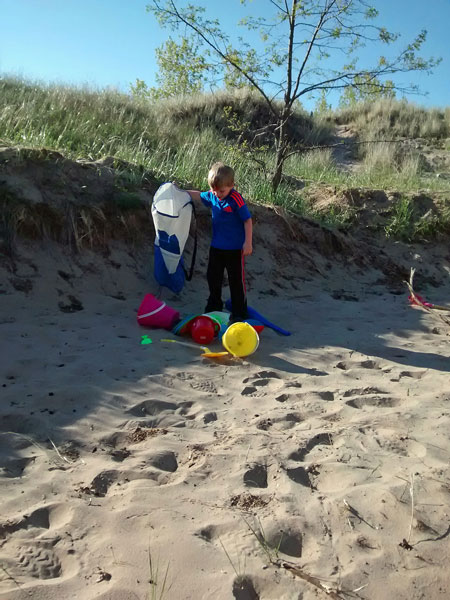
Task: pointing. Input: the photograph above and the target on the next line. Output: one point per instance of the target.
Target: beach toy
(219, 316)
(419, 301)
(155, 313)
(206, 351)
(257, 325)
(202, 330)
(145, 340)
(185, 325)
(222, 330)
(254, 314)
(240, 339)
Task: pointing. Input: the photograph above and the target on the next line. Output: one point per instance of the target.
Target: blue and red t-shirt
(228, 216)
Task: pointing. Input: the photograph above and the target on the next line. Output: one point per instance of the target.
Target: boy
(231, 240)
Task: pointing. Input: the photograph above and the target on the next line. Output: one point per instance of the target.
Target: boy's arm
(244, 214)
(195, 195)
(247, 248)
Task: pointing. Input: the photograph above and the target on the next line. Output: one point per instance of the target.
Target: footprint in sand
(164, 460)
(156, 467)
(209, 533)
(373, 401)
(289, 421)
(101, 483)
(35, 559)
(151, 408)
(413, 374)
(38, 519)
(44, 517)
(15, 467)
(256, 476)
(345, 365)
(363, 391)
(209, 417)
(249, 390)
(320, 439)
(284, 535)
(286, 421)
(258, 383)
(161, 413)
(157, 424)
(39, 560)
(370, 396)
(306, 396)
(300, 475)
(185, 409)
(262, 379)
(202, 385)
(294, 384)
(263, 375)
(327, 396)
(33, 551)
(285, 397)
(135, 432)
(244, 589)
(181, 380)
(120, 454)
(391, 441)
(264, 424)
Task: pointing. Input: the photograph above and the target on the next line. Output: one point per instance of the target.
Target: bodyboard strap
(194, 251)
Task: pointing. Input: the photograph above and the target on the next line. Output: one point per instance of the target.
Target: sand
(134, 471)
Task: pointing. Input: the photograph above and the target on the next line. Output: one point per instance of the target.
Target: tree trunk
(280, 146)
(276, 179)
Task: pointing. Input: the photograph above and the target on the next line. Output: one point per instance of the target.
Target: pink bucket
(155, 313)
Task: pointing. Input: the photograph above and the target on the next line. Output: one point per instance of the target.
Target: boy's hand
(247, 249)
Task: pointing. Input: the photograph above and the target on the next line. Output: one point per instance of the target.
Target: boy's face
(222, 191)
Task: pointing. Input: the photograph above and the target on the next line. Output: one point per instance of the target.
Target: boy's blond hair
(219, 175)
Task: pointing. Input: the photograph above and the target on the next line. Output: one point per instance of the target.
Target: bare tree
(298, 38)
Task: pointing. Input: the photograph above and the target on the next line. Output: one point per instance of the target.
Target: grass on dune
(395, 118)
(179, 139)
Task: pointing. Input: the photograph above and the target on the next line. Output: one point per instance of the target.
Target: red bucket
(202, 330)
(155, 313)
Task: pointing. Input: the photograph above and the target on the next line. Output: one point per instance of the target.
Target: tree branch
(216, 48)
(309, 50)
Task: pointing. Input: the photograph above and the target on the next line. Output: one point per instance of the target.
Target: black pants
(233, 262)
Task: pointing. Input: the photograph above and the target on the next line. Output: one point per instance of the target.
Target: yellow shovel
(206, 351)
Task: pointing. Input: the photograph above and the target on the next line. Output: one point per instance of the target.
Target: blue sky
(105, 43)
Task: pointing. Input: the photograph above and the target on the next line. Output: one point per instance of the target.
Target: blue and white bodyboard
(171, 212)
